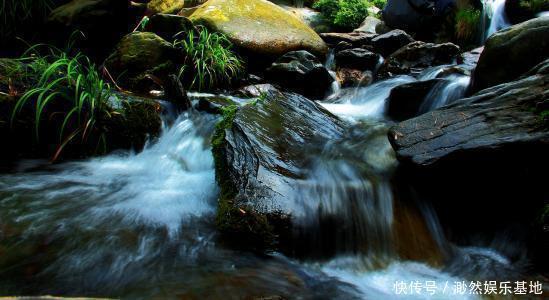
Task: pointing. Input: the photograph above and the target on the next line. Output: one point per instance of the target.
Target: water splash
(452, 88)
(494, 11)
(365, 102)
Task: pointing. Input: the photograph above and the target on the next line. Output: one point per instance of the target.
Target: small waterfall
(452, 88)
(365, 102)
(494, 12)
(330, 65)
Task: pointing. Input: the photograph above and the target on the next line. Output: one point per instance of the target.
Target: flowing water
(142, 225)
(493, 17)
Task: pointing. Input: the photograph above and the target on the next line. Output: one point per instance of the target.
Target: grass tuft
(467, 25)
(209, 60)
(67, 90)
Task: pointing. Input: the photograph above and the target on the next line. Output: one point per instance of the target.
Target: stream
(142, 225)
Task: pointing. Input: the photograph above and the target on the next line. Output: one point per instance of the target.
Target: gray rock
(405, 100)
(512, 52)
(301, 72)
(417, 56)
(495, 118)
(357, 58)
(390, 42)
(369, 25)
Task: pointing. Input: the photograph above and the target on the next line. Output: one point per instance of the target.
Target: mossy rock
(139, 54)
(259, 150)
(259, 27)
(512, 52)
(165, 6)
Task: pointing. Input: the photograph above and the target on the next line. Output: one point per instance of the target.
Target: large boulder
(141, 54)
(259, 27)
(417, 56)
(511, 52)
(258, 172)
(290, 172)
(391, 41)
(302, 72)
(484, 158)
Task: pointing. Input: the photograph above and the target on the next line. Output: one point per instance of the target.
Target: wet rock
(369, 25)
(387, 43)
(175, 93)
(357, 58)
(356, 39)
(495, 118)
(168, 26)
(165, 6)
(484, 157)
(353, 77)
(141, 54)
(417, 56)
(302, 72)
(256, 90)
(260, 154)
(405, 100)
(213, 104)
(259, 27)
(511, 52)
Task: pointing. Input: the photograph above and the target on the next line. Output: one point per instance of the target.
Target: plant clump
(467, 25)
(66, 91)
(209, 60)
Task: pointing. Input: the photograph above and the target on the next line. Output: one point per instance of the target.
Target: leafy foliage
(208, 59)
(68, 89)
(344, 14)
(467, 24)
(379, 3)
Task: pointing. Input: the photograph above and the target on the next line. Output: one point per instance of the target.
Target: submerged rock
(417, 56)
(141, 54)
(302, 72)
(511, 52)
(259, 27)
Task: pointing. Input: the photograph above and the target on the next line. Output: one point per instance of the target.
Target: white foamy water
(446, 92)
(165, 185)
(367, 101)
(494, 10)
(395, 281)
